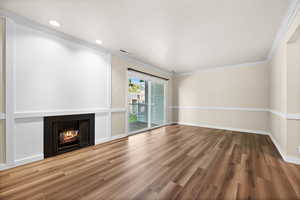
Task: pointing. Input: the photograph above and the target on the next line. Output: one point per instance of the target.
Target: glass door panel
(138, 104)
(157, 114)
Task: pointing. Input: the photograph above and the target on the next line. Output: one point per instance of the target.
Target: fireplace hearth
(67, 133)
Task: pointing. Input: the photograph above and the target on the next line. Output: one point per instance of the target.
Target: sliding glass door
(157, 104)
(146, 102)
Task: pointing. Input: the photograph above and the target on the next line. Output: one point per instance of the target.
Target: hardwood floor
(174, 162)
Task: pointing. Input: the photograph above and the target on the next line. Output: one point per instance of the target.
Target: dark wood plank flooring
(174, 162)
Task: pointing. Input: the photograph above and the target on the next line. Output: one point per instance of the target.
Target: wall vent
(123, 51)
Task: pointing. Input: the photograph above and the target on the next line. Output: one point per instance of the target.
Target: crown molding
(222, 67)
(285, 25)
(34, 25)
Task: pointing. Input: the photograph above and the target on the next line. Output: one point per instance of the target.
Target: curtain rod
(131, 69)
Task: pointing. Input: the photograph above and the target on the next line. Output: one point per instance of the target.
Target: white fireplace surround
(41, 81)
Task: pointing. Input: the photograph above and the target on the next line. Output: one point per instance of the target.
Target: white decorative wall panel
(101, 126)
(29, 140)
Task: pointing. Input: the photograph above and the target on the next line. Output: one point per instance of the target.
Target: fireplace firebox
(67, 133)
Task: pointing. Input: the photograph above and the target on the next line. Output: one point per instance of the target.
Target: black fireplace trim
(49, 143)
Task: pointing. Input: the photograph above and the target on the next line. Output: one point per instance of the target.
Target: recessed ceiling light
(54, 23)
(98, 41)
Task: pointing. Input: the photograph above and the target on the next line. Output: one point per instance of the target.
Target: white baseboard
(102, 140)
(152, 128)
(22, 161)
(6, 166)
(285, 157)
(108, 139)
(225, 128)
(115, 137)
(29, 159)
(277, 145)
(292, 159)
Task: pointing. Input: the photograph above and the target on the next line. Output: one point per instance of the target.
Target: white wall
(54, 76)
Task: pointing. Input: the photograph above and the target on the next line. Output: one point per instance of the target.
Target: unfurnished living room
(149, 99)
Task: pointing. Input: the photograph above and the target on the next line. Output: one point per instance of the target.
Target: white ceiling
(179, 35)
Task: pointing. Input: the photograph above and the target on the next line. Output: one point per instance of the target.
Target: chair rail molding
(2, 116)
(288, 116)
(45, 113)
(219, 108)
(293, 116)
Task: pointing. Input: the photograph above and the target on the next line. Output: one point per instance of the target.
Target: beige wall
(293, 80)
(226, 87)
(2, 75)
(119, 85)
(118, 78)
(243, 87)
(2, 138)
(118, 123)
(285, 91)
(246, 120)
(277, 126)
(2, 92)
